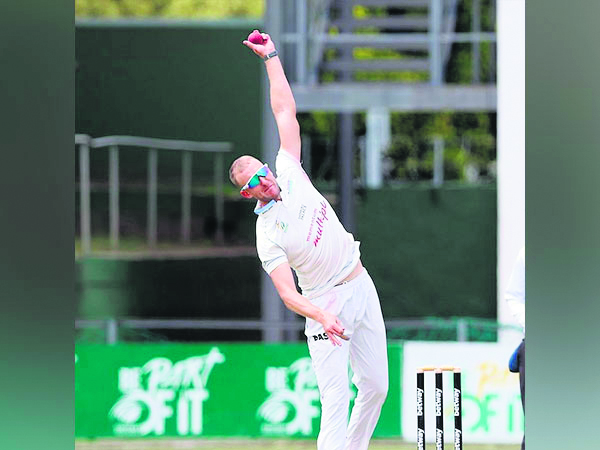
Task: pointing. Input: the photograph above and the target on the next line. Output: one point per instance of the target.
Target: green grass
(250, 444)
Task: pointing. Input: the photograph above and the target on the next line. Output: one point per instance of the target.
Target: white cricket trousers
(356, 304)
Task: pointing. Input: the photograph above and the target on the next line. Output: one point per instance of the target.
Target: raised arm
(284, 283)
(282, 99)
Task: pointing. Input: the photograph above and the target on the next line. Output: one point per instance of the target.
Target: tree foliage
(469, 145)
(201, 9)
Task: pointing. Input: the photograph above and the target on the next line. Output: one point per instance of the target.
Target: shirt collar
(261, 209)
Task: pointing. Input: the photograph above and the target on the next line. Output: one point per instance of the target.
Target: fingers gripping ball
(256, 38)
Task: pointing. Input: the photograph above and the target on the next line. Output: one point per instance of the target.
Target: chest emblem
(281, 225)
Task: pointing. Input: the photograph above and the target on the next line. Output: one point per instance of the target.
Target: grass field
(257, 444)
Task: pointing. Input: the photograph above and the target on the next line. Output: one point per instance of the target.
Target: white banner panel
(491, 401)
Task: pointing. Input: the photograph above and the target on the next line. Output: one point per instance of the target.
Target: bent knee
(378, 389)
(382, 389)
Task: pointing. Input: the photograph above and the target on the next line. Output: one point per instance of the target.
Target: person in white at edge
(515, 298)
(297, 229)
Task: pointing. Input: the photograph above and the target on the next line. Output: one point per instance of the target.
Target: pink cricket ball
(256, 38)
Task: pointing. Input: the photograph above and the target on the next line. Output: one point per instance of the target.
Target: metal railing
(310, 37)
(461, 329)
(152, 145)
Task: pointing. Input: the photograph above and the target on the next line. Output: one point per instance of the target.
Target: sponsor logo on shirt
(321, 218)
(302, 212)
(320, 337)
(312, 222)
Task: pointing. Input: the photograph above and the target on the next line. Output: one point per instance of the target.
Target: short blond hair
(238, 165)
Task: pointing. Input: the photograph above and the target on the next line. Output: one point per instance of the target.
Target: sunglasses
(255, 179)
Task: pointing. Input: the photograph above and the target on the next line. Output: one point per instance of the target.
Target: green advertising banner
(241, 390)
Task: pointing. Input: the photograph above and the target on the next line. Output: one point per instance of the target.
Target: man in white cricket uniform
(297, 229)
(515, 298)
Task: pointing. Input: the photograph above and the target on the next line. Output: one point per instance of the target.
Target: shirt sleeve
(285, 162)
(270, 254)
(515, 291)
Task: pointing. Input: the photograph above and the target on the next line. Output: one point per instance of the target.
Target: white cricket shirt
(515, 291)
(303, 230)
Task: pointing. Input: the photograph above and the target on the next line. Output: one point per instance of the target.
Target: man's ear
(245, 194)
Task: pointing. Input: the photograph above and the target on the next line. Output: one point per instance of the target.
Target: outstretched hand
(263, 49)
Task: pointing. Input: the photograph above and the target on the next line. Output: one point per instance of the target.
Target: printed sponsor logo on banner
(293, 401)
(457, 439)
(491, 382)
(456, 402)
(421, 439)
(438, 402)
(419, 402)
(439, 437)
(160, 389)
